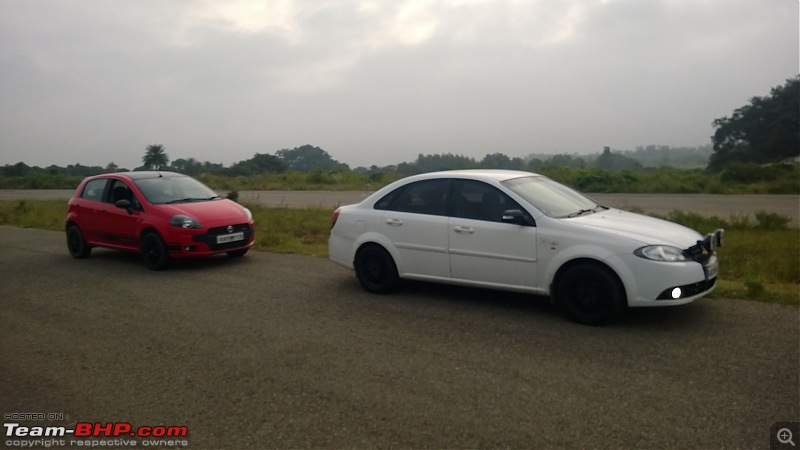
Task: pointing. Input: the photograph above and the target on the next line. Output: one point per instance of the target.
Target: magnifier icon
(785, 436)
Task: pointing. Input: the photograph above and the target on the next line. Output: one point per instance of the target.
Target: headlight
(184, 222)
(661, 253)
(248, 213)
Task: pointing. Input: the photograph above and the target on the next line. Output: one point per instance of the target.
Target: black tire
(238, 253)
(376, 270)
(591, 294)
(76, 244)
(154, 252)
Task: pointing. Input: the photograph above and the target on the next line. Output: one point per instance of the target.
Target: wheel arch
(554, 282)
(375, 239)
(149, 229)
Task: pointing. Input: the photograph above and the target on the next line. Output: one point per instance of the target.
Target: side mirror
(517, 217)
(125, 204)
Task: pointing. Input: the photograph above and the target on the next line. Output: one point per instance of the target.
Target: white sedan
(521, 231)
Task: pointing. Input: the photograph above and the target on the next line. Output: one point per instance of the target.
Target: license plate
(712, 270)
(233, 237)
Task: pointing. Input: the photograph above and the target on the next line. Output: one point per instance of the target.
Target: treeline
(311, 168)
(309, 158)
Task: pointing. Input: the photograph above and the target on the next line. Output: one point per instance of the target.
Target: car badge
(230, 229)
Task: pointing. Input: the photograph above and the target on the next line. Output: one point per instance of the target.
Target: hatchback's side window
(120, 191)
(94, 190)
(480, 201)
(422, 197)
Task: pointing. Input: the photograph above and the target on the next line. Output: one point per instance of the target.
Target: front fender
(589, 252)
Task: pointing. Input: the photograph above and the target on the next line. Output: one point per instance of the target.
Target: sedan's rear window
(421, 197)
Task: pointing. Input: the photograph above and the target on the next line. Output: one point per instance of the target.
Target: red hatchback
(162, 215)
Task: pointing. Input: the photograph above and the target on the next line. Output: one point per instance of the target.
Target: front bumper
(656, 282)
(212, 241)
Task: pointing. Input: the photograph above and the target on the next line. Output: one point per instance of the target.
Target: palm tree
(155, 158)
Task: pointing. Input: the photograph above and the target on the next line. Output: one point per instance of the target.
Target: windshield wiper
(189, 200)
(578, 213)
(585, 211)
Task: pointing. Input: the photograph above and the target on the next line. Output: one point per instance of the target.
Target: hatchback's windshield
(551, 198)
(165, 190)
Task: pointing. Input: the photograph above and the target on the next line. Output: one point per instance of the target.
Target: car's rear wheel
(238, 253)
(76, 243)
(376, 270)
(591, 294)
(154, 252)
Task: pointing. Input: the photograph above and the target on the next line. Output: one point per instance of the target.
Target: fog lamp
(676, 293)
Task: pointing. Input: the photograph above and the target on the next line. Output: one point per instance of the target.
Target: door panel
(415, 221)
(421, 242)
(116, 227)
(492, 252)
(482, 247)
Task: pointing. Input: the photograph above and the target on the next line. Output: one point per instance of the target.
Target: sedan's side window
(422, 197)
(480, 201)
(94, 190)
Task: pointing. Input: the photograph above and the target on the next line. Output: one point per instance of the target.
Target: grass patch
(287, 230)
(788, 294)
(759, 261)
(41, 214)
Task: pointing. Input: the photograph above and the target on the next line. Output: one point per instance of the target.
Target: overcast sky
(378, 81)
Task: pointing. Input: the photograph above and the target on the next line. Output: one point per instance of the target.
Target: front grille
(210, 238)
(216, 231)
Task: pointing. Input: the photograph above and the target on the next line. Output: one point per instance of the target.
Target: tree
(189, 166)
(111, 167)
(564, 160)
(615, 162)
(308, 159)
(767, 130)
(17, 170)
(155, 158)
(259, 163)
(433, 163)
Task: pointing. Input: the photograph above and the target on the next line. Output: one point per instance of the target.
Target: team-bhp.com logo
(116, 434)
(97, 429)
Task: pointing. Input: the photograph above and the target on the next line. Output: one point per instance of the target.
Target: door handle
(464, 230)
(394, 222)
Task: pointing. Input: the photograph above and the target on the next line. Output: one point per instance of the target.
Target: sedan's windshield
(166, 190)
(551, 198)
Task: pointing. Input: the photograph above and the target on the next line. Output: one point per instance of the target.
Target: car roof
(141, 175)
(479, 174)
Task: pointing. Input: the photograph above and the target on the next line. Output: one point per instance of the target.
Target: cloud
(377, 81)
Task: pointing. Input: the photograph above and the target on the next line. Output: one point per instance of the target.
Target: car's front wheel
(376, 270)
(591, 294)
(76, 243)
(154, 252)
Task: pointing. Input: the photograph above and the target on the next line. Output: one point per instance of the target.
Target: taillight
(335, 217)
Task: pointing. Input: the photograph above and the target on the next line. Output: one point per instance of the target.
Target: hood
(211, 213)
(645, 230)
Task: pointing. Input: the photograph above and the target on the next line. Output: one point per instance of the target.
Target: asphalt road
(288, 351)
(722, 206)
